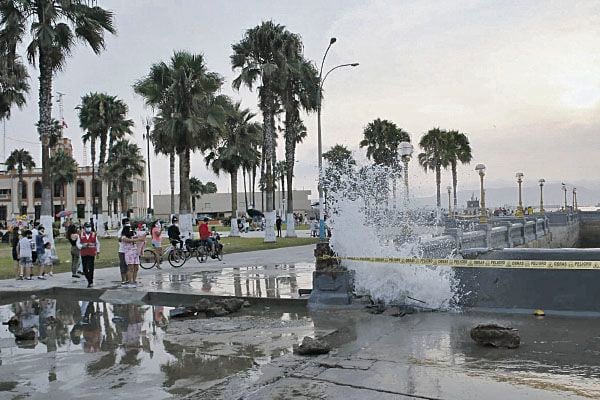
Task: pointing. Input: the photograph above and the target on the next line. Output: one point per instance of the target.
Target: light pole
(449, 188)
(564, 188)
(480, 168)
(320, 143)
(519, 213)
(148, 121)
(574, 199)
(542, 181)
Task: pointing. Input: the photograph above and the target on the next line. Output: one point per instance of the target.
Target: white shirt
(34, 233)
(25, 247)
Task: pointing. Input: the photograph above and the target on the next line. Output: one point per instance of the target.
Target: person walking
(73, 237)
(122, 264)
(278, 222)
(40, 250)
(14, 243)
(25, 250)
(156, 233)
(90, 249)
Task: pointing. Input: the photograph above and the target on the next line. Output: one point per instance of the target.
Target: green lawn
(221, 228)
(109, 248)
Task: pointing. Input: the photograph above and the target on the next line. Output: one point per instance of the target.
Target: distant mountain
(588, 195)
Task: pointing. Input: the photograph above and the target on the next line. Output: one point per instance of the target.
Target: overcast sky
(520, 78)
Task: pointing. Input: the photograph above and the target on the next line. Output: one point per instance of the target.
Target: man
(24, 251)
(278, 222)
(90, 249)
(34, 234)
(40, 249)
(122, 264)
(206, 235)
(174, 233)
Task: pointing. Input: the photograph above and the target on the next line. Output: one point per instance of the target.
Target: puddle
(59, 345)
(275, 281)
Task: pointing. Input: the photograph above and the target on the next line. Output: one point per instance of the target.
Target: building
(218, 205)
(75, 197)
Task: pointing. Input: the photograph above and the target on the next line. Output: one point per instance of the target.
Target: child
(25, 251)
(47, 260)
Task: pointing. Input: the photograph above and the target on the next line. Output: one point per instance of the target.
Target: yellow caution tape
(463, 263)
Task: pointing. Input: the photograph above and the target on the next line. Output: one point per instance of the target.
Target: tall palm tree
(459, 150)
(434, 156)
(53, 28)
(280, 173)
(196, 187)
(63, 170)
(234, 147)
(163, 143)
(126, 162)
(19, 160)
(13, 82)
(191, 112)
(261, 57)
(299, 91)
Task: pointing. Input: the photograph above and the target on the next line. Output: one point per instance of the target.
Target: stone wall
(589, 234)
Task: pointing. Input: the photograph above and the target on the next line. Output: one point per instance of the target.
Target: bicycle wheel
(177, 258)
(149, 259)
(201, 254)
(219, 251)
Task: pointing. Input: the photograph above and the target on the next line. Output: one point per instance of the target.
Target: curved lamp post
(519, 213)
(564, 189)
(320, 143)
(148, 122)
(542, 181)
(480, 168)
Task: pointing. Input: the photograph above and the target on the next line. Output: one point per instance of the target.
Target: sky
(520, 78)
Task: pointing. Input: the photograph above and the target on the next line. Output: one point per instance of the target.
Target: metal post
(149, 176)
(483, 216)
(542, 211)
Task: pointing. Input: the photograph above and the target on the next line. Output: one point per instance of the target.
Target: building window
(37, 190)
(23, 210)
(57, 208)
(3, 213)
(37, 211)
(80, 211)
(24, 191)
(97, 188)
(59, 189)
(80, 188)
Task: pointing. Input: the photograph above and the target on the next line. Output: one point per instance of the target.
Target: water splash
(370, 215)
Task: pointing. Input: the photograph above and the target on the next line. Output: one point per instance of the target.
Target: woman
(156, 233)
(14, 241)
(72, 236)
(132, 257)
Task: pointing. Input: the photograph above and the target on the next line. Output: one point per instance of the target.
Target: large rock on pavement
(496, 336)
(310, 347)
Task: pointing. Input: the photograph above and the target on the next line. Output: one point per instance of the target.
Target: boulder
(204, 304)
(496, 336)
(311, 347)
(231, 305)
(216, 311)
(181, 312)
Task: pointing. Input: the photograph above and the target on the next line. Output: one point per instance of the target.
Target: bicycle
(150, 258)
(206, 250)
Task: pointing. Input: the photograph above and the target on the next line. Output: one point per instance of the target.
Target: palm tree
(19, 160)
(459, 150)
(280, 172)
(63, 170)
(163, 143)
(196, 187)
(261, 57)
(382, 139)
(53, 28)
(126, 162)
(235, 146)
(13, 82)
(191, 112)
(434, 156)
(340, 165)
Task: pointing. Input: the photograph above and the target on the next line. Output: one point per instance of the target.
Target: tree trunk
(234, 228)
(124, 205)
(44, 128)
(438, 183)
(185, 216)
(245, 190)
(19, 191)
(269, 128)
(172, 180)
(254, 186)
(454, 185)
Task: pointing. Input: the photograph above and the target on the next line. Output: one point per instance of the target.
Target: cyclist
(206, 234)
(174, 233)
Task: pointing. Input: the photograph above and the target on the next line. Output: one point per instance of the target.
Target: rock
(216, 311)
(311, 347)
(247, 303)
(496, 336)
(204, 304)
(181, 312)
(231, 305)
(394, 311)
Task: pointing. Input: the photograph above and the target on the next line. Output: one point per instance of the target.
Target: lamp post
(480, 168)
(449, 188)
(574, 199)
(519, 213)
(148, 122)
(320, 143)
(564, 188)
(542, 181)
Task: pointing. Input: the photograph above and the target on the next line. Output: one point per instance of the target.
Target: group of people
(31, 247)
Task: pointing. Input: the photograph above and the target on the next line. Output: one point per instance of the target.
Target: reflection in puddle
(49, 342)
(278, 281)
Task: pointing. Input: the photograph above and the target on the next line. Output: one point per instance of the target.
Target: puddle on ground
(274, 281)
(59, 345)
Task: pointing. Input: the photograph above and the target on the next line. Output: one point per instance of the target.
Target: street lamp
(519, 213)
(449, 188)
(564, 188)
(148, 122)
(406, 150)
(320, 143)
(480, 168)
(542, 181)
(574, 199)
